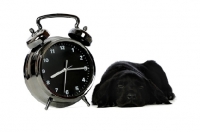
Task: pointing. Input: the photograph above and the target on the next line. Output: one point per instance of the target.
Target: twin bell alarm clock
(59, 71)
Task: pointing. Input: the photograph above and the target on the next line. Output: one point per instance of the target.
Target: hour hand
(58, 73)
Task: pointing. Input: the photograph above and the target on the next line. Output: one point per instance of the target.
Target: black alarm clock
(59, 71)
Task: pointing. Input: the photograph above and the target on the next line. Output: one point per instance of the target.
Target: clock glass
(67, 69)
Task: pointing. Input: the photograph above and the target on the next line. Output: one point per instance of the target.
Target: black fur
(127, 84)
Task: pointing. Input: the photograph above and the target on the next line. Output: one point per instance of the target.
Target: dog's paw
(170, 96)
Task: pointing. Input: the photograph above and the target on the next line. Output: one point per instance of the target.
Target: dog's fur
(127, 84)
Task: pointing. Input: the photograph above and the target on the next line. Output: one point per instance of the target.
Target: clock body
(62, 69)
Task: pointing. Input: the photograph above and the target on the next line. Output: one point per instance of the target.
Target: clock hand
(68, 69)
(58, 73)
(66, 63)
(78, 68)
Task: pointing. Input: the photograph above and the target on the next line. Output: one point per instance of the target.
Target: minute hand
(78, 68)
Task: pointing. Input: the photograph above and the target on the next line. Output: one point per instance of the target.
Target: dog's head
(130, 89)
(126, 89)
(123, 89)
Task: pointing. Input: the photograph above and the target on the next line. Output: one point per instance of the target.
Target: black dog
(127, 84)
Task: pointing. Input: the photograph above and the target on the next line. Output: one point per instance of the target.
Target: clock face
(67, 69)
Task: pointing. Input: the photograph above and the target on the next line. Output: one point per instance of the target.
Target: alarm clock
(59, 71)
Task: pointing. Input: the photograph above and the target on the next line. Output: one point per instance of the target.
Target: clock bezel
(35, 82)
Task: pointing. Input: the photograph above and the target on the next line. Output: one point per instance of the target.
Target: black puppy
(127, 84)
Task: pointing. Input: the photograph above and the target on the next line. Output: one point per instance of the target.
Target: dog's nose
(131, 96)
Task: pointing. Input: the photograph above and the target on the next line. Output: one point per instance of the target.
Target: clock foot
(85, 100)
(48, 103)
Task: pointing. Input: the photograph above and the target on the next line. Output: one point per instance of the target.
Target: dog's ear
(102, 96)
(158, 94)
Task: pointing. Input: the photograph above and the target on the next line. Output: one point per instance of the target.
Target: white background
(167, 31)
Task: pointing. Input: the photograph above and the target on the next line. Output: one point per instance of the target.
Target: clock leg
(48, 103)
(85, 100)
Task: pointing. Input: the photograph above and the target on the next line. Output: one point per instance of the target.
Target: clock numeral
(47, 82)
(83, 80)
(62, 47)
(76, 88)
(81, 57)
(72, 49)
(67, 91)
(52, 51)
(43, 71)
(46, 60)
(56, 89)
